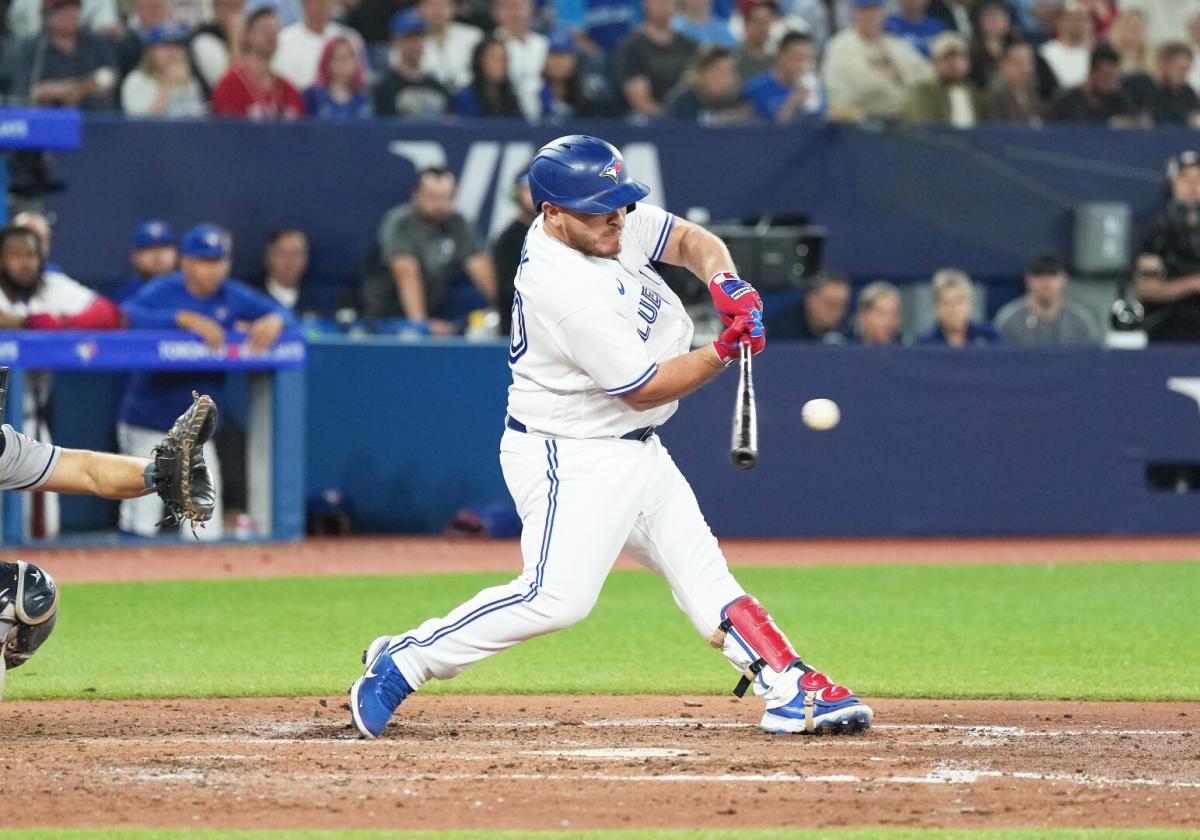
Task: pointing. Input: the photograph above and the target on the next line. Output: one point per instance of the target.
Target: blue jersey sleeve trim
(663, 236)
(635, 384)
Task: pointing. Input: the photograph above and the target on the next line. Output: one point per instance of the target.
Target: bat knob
(745, 459)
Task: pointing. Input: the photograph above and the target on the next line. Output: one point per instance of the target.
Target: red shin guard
(752, 625)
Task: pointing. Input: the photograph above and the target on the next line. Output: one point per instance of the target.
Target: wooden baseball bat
(744, 450)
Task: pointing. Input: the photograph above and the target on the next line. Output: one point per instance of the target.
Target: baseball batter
(600, 356)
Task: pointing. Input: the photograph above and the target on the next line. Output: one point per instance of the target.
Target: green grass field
(1075, 631)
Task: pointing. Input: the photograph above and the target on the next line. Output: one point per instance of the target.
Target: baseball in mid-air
(821, 415)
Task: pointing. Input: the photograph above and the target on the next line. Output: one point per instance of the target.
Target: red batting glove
(743, 330)
(733, 296)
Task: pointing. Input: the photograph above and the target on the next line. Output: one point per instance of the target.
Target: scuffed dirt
(595, 762)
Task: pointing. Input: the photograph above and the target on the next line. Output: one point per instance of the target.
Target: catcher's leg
(672, 538)
(577, 500)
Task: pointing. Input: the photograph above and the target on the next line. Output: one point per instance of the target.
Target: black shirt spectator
(1099, 99)
(506, 252)
(819, 317)
(1167, 99)
(491, 92)
(992, 34)
(710, 94)
(65, 66)
(651, 61)
(285, 261)
(1167, 280)
(406, 90)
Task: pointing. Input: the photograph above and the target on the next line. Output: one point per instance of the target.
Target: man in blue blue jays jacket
(201, 298)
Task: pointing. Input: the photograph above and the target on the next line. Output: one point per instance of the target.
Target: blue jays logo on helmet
(613, 170)
(565, 170)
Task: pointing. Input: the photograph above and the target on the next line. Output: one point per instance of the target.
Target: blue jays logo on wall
(613, 170)
(488, 169)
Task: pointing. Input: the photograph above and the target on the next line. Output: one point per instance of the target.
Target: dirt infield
(596, 762)
(387, 556)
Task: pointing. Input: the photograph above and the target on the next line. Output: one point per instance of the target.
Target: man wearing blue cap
(202, 299)
(154, 254)
(406, 90)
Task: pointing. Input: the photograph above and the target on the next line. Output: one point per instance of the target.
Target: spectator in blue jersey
(600, 25)
(338, 93)
(153, 255)
(912, 22)
(791, 89)
(696, 20)
(406, 89)
(200, 298)
(491, 92)
(953, 301)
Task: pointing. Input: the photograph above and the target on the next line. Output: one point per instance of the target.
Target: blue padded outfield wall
(932, 441)
(899, 203)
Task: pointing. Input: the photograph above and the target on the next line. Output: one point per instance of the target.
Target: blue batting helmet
(584, 174)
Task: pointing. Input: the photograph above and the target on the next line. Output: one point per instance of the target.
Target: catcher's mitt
(181, 478)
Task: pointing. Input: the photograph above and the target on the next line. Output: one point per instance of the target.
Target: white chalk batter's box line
(941, 774)
(255, 734)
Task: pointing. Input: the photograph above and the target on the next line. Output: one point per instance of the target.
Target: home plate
(615, 752)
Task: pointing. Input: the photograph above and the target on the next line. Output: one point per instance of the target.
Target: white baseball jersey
(587, 330)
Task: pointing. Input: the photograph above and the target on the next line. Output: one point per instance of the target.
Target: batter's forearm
(99, 474)
(699, 251)
(676, 378)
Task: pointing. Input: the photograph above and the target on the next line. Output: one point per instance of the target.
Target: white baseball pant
(581, 502)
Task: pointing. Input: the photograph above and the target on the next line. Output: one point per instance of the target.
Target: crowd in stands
(956, 62)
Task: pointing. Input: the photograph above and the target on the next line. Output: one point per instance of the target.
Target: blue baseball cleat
(819, 707)
(377, 694)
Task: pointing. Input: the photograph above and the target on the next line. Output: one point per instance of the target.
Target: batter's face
(596, 235)
(20, 261)
(1186, 185)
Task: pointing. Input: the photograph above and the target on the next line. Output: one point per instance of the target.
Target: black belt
(642, 434)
